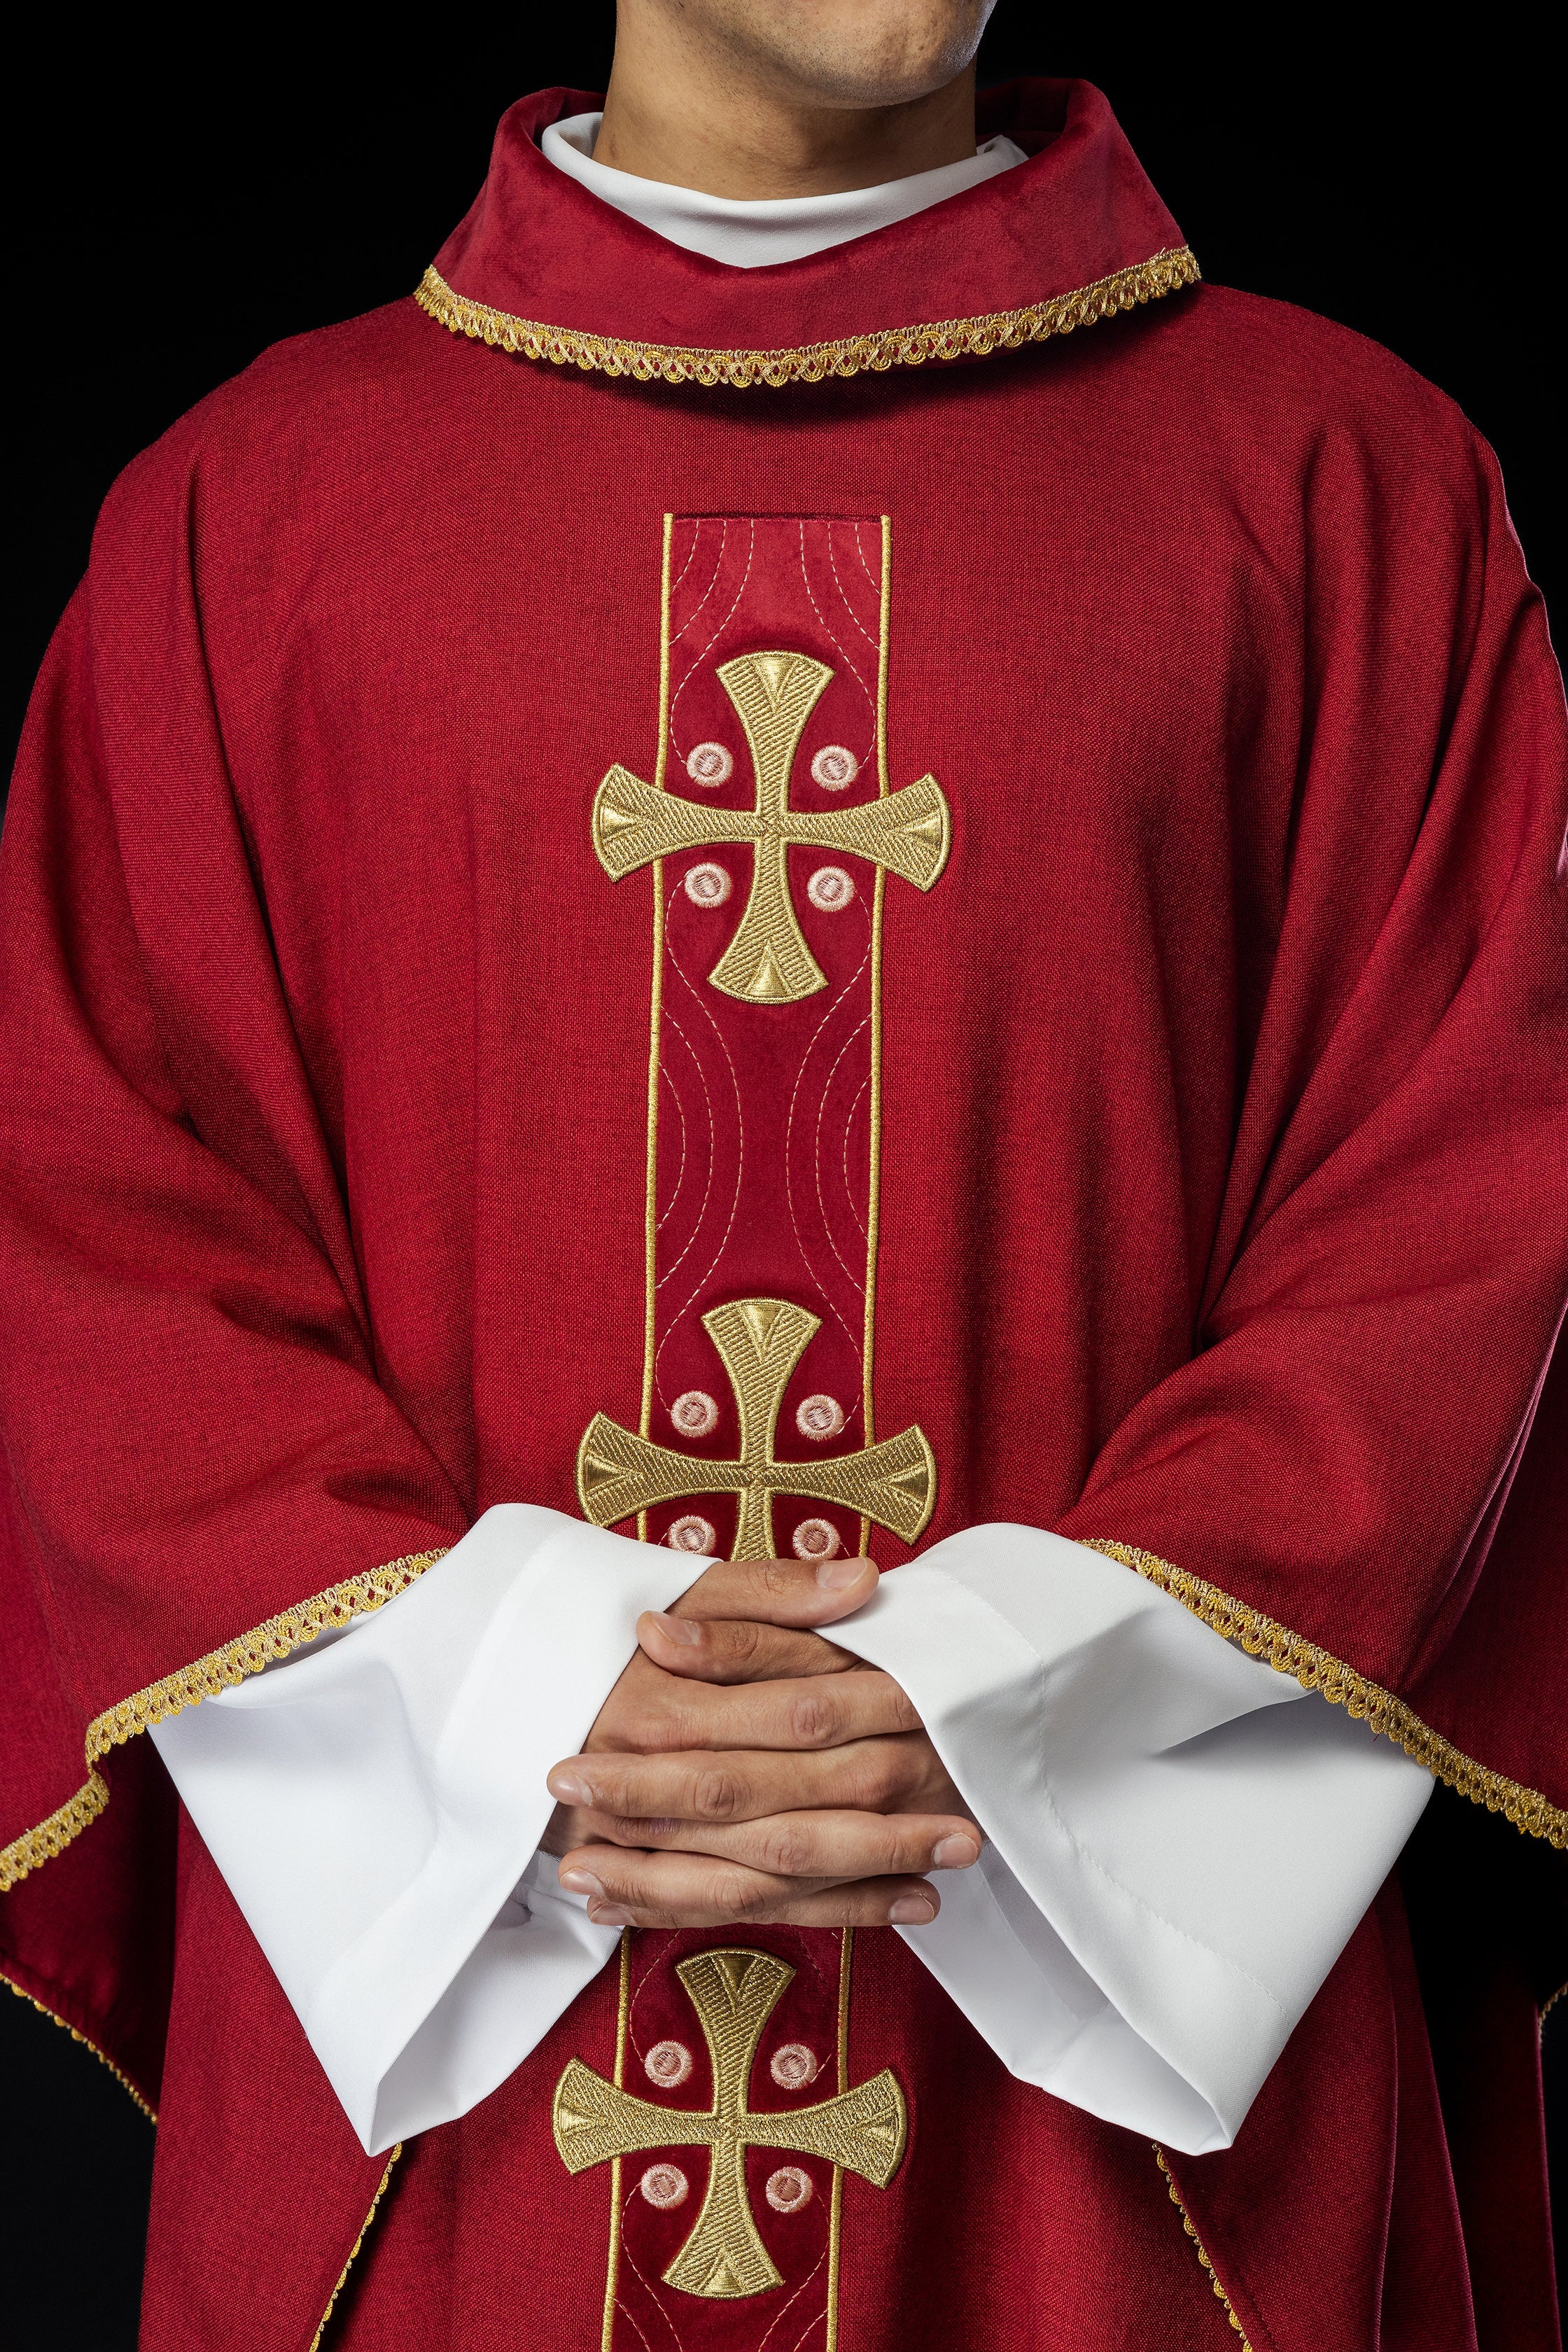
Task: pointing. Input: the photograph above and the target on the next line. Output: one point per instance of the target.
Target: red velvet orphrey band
(1087, 816)
(765, 1129)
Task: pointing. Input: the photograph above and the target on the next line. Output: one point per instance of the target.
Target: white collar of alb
(749, 236)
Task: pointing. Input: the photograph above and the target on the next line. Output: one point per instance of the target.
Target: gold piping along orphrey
(768, 962)
(760, 1341)
(735, 1992)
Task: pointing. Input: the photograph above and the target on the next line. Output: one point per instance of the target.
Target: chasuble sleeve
(211, 1469)
(1324, 1478)
(375, 1805)
(198, 1433)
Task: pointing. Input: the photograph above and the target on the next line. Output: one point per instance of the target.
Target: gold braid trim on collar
(1318, 1670)
(218, 1670)
(944, 338)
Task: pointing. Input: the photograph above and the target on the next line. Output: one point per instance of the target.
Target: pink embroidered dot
(709, 764)
(709, 885)
(793, 2066)
(695, 1413)
(665, 2185)
(816, 1540)
(819, 1417)
(834, 767)
(668, 2063)
(830, 889)
(693, 1534)
(788, 2188)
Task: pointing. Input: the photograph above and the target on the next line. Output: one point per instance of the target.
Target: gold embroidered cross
(734, 1993)
(768, 961)
(760, 1342)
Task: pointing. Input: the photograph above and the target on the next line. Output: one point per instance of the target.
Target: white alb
(749, 235)
(1181, 1840)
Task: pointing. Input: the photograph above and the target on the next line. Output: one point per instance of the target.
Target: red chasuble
(786, 906)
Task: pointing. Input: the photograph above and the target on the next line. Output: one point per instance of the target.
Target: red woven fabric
(539, 246)
(1221, 1178)
(1021, 2223)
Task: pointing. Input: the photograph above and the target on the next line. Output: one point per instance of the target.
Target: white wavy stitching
(680, 1114)
(712, 1145)
(739, 1159)
(794, 2298)
(701, 658)
(691, 557)
(713, 583)
(848, 607)
(800, 2339)
(630, 2261)
(789, 1135)
(821, 1114)
(631, 2005)
(839, 648)
(864, 1087)
(690, 619)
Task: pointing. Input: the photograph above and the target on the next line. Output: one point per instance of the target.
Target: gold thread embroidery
(735, 1992)
(650, 1205)
(353, 2250)
(1315, 1669)
(836, 2210)
(86, 2042)
(1198, 2245)
(948, 338)
(622, 2028)
(218, 1670)
(767, 962)
(874, 1170)
(760, 1341)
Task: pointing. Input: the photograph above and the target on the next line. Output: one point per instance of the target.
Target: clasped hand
(745, 1768)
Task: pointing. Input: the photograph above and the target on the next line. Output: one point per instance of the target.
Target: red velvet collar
(542, 267)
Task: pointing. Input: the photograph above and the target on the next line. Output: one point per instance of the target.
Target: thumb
(782, 1591)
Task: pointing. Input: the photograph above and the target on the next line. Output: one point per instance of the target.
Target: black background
(182, 200)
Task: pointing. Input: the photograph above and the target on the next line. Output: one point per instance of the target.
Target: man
(1086, 818)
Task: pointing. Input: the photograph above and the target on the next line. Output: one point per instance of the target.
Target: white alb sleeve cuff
(1182, 1841)
(375, 1804)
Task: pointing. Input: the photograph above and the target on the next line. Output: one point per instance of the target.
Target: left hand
(793, 1808)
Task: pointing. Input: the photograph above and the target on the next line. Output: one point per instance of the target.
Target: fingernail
(581, 1882)
(567, 1789)
(610, 1914)
(912, 1911)
(837, 1574)
(954, 1853)
(677, 1629)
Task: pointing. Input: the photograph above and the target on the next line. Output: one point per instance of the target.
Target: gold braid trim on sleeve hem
(1289, 1653)
(1197, 2241)
(353, 2250)
(942, 339)
(218, 1670)
(36, 1846)
(86, 2042)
